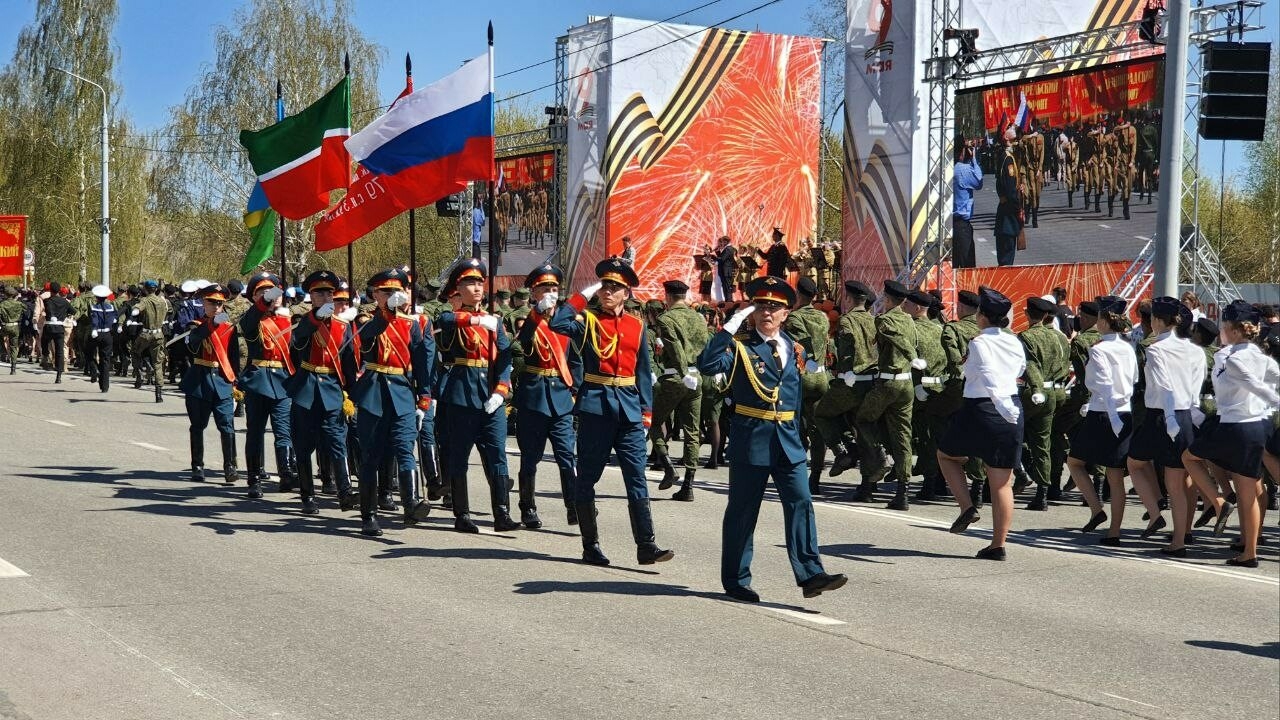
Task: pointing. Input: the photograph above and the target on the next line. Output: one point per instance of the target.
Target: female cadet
(1175, 371)
(1102, 438)
(990, 424)
(1244, 383)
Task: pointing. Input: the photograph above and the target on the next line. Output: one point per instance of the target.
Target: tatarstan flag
(301, 158)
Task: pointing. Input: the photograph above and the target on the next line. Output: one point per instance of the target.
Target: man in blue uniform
(615, 404)
(208, 382)
(764, 367)
(397, 363)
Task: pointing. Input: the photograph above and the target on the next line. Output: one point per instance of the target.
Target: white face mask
(553, 296)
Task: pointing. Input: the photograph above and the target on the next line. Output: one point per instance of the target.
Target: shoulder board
(742, 336)
(338, 320)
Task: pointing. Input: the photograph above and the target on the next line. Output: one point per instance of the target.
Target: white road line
(8, 570)
(149, 446)
(807, 617)
(59, 423)
(1136, 702)
(1142, 237)
(1104, 226)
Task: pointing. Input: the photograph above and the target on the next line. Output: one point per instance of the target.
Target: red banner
(13, 238)
(1058, 101)
(524, 170)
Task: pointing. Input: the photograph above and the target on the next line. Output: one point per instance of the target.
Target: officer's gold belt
(544, 372)
(384, 369)
(266, 363)
(770, 415)
(609, 380)
(468, 362)
(206, 363)
(317, 369)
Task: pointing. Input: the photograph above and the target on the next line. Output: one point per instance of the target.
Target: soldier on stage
(544, 397)
(1031, 167)
(397, 364)
(327, 348)
(1124, 162)
(682, 333)
(1042, 392)
(148, 349)
(765, 367)
(809, 326)
(884, 416)
(208, 382)
(265, 329)
(855, 370)
(474, 385)
(615, 404)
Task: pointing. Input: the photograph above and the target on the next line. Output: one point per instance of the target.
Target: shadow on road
(1270, 650)
(471, 553)
(862, 552)
(612, 587)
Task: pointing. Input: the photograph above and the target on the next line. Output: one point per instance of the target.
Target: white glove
(690, 378)
(548, 302)
(1037, 398)
(921, 395)
(272, 294)
(847, 377)
(718, 378)
(488, 322)
(493, 403)
(420, 415)
(590, 291)
(398, 299)
(326, 310)
(738, 318)
(136, 312)
(1197, 416)
(220, 319)
(283, 312)
(919, 364)
(1171, 426)
(811, 367)
(1084, 411)
(349, 314)
(1117, 425)
(93, 334)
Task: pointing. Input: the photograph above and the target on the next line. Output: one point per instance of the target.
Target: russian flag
(1025, 116)
(435, 138)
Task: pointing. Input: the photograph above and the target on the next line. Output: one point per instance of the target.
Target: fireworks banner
(1082, 281)
(707, 132)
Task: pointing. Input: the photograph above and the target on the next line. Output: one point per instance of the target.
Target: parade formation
(379, 395)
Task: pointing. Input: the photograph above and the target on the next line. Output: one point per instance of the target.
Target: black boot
(928, 490)
(239, 411)
(668, 471)
(284, 470)
(255, 486)
(1035, 217)
(499, 494)
(159, 393)
(899, 501)
(1126, 209)
(975, 493)
(230, 473)
(567, 483)
(415, 509)
(591, 552)
(57, 379)
(647, 551)
(528, 505)
(1040, 501)
(430, 472)
(1070, 202)
(462, 521)
(325, 470)
(197, 456)
(1111, 206)
(685, 493)
(844, 460)
(307, 486)
(369, 525)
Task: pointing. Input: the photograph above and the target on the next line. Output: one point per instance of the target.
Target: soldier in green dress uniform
(682, 334)
(1043, 391)
(854, 370)
(885, 415)
(928, 420)
(808, 326)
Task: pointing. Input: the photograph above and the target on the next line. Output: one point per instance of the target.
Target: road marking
(1136, 702)
(59, 423)
(149, 446)
(1142, 237)
(807, 617)
(1104, 226)
(8, 570)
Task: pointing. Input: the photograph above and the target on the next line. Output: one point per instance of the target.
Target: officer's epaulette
(742, 336)
(335, 318)
(406, 316)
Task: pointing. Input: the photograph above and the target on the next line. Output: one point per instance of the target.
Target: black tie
(773, 345)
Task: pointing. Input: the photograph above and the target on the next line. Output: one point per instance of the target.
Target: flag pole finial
(346, 63)
(490, 32)
(279, 89)
(408, 66)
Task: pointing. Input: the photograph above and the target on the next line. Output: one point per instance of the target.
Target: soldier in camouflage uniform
(1043, 391)
(714, 388)
(854, 370)
(678, 395)
(808, 326)
(80, 333)
(11, 310)
(929, 419)
(148, 352)
(431, 304)
(1031, 167)
(956, 336)
(1067, 415)
(885, 414)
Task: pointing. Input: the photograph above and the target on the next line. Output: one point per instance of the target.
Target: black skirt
(978, 430)
(1234, 447)
(1094, 442)
(1273, 445)
(1151, 442)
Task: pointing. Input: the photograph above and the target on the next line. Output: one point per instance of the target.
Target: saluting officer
(208, 382)
(885, 414)
(855, 368)
(266, 330)
(544, 396)
(615, 404)
(327, 348)
(397, 361)
(765, 367)
(809, 326)
(475, 383)
(1043, 391)
(681, 335)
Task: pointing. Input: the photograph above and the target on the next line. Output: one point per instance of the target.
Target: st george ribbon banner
(13, 237)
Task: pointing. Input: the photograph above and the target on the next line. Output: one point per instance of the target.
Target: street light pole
(106, 181)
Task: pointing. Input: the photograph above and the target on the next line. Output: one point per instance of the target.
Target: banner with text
(1059, 101)
(13, 238)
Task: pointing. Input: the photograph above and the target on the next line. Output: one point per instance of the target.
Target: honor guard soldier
(266, 330)
(209, 380)
(615, 404)
(327, 347)
(474, 385)
(148, 349)
(682, 333)
(809, 326)
(1043, 391)
(765, 366)
(929, 420)
(854, 370)
(885, 414)
(428, 459)
(103, 321)
(544, 396)
(397, 365)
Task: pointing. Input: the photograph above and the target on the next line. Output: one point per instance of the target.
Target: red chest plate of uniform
(617, 343)
(275, 332)
(214, 349)
(326, 342)
(547, 345)
(392, 349)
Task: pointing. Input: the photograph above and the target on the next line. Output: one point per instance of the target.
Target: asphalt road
(128, 592)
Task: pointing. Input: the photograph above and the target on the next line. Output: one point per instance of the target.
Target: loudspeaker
(1233, 103)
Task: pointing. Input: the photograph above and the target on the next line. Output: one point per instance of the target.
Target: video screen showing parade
(1059, 169)
(525, 193)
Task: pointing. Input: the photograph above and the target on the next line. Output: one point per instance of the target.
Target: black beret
(1241, 312)
(1041, 305)
(675, 287)
(807, 287)
(855, 287)
(1089, 307)
(920, 297)
(993, 303)
(893, 288)
(967, 297)
(1166, 307)
(234, 286)
(1112, 304)
(1207, 326)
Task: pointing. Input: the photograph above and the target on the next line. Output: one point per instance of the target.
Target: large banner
(1085, 96)
(13, 238)
(707, 132)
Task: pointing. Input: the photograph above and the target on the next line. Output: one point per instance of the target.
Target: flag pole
(493, 225)
(346, 69)
(284, 278)
(413, 230)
